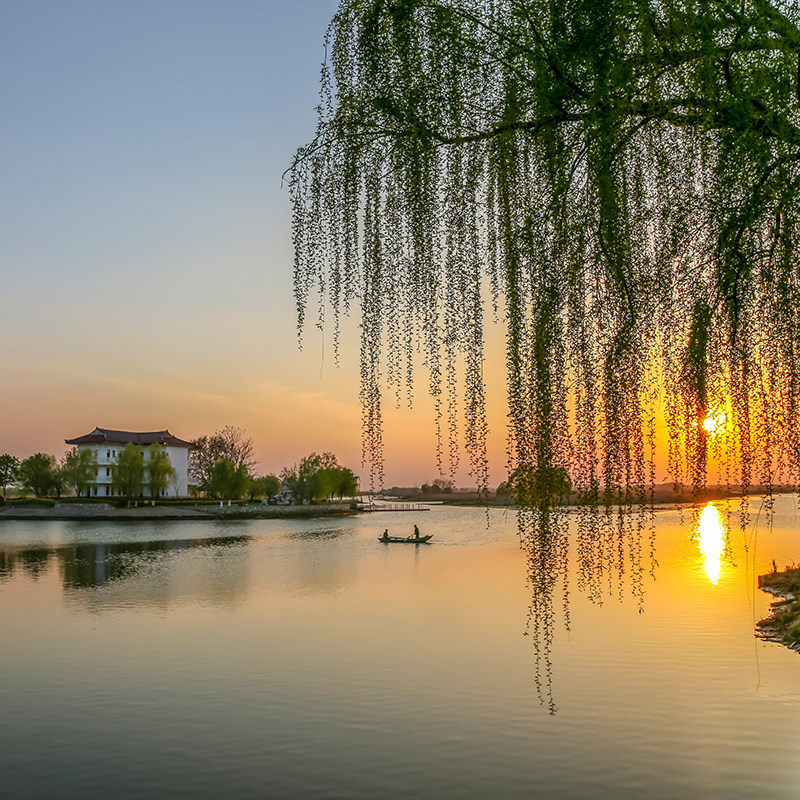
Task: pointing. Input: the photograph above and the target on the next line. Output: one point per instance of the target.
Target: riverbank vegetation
(90, 509)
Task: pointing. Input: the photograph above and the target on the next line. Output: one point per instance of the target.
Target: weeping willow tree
(618, 183)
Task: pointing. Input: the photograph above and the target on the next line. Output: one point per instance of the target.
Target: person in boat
(385, 536)
(416, 533)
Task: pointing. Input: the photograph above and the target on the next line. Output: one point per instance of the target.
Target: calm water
(304, 659)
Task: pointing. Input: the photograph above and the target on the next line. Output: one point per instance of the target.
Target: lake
(304, 659)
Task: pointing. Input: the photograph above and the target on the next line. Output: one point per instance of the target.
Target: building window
(94, 491)
(108, 454)
(108, 472)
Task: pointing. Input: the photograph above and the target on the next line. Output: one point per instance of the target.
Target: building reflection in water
(159, 573)
(137, 573)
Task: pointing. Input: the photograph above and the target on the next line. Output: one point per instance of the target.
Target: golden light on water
(712, 541)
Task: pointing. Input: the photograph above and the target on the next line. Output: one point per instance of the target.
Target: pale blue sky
(145, 252)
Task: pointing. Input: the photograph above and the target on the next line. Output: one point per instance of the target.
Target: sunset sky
(146, 258)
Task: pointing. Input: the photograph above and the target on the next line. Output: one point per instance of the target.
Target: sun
(714, 423)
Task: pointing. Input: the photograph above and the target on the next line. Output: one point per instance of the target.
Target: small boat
(404, 540)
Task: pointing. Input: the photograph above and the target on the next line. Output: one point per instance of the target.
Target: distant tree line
(42, 475)
(438, 486)
(222, 467)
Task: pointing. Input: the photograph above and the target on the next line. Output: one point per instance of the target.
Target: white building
(107, 444)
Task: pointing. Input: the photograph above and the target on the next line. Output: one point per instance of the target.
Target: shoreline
(104, 512)
(782, 626)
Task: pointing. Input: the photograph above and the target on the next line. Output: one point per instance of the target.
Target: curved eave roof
(144, 438)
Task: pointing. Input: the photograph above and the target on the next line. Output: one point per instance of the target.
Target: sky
(145, 239)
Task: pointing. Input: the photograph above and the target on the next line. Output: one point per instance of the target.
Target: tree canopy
(619, 178)
(319, 477)
(617, 182)
(9, 468)
(264, 486)
(127, 474)
(228, 481)
(160, 471)
(35, 473)
(230, 443)
(79, 469)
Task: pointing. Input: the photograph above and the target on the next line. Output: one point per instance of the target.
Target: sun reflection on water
(712, 541)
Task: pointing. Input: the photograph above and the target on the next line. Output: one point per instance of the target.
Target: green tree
(319, 477)
(271, 485)
(58, 480)
(345, 483)
(303, 478)
(264, 486)
(36, 473)
(79, 469)
(9, 468)
(127, 475)
(321, 484)
(228, 481)
(160, 471)
(545, 486)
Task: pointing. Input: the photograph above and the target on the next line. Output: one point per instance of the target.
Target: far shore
(107, 512)
(665, 497)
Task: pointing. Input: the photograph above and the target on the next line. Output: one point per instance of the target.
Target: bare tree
(231, 443)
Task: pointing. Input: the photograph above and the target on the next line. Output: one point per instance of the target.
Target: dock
(370, 508)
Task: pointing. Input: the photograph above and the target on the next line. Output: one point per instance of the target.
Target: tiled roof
(106, 436)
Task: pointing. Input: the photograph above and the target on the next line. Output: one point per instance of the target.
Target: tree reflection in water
(544, 537)
(32, 562)
(615, 546)
(90, 566)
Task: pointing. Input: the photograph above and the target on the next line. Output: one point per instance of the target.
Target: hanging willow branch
(621, 178)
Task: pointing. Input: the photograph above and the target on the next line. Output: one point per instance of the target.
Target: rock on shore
(783, 623)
